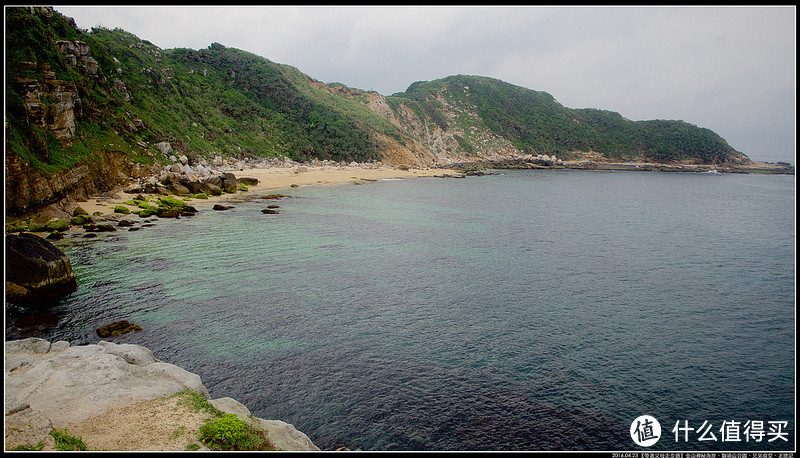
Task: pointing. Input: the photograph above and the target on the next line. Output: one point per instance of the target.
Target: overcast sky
(729, 69)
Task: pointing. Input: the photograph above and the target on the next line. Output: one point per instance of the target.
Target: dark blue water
(533, 310)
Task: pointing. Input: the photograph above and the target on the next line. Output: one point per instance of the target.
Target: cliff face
(462, 137)
(28, 190)
(49, 103)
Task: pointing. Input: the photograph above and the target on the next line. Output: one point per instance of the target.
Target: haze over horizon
(728, 69)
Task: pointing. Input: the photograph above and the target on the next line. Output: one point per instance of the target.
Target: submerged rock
(36, 270)
(117, 328)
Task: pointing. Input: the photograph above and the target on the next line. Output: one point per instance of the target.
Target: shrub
(65, 442)
(231, 433)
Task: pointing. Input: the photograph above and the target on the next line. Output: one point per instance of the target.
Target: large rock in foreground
(49, 386)
(36, 270)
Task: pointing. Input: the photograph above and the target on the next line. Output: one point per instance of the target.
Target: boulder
(216, 180)
(229, 182)
(55, 236)
(194, 187)
(220, 207)
(248, 181)
(37, 268)
(214, 190)
(165, 148)
(179, 189)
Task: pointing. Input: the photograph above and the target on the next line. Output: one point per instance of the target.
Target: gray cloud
(730, 69)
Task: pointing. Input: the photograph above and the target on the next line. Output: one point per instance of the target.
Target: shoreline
(284, 176)
(275, 179)
(632, 166)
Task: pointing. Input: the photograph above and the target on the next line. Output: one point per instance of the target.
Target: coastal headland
(115, 397)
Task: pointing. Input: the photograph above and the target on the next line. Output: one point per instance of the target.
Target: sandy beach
(280, 179)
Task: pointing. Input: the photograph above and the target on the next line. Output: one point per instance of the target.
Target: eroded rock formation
(36, 270)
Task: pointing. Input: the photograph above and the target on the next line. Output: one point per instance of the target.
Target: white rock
(132, 354)
(79, 382)
(33, 345)
(164, 147)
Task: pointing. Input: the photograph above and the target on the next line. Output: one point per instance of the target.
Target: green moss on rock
(117, 328)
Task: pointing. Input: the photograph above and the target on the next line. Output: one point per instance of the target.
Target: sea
(524, 310)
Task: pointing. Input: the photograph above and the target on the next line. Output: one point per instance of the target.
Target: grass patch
(193, 400)
(231, 433)
(222, 431)
(28, 447)
(66, 442)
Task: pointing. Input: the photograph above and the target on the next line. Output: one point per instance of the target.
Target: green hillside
(535, 122)
(126, 96)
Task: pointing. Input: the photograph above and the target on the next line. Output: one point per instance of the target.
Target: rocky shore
(598, 163)
(108, 394)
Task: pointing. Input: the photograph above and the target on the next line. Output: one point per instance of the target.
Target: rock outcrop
(36, 270)
(49, 386)
(28, 189)
(49, 103)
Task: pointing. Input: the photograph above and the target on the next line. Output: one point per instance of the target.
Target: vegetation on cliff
(75, 96)
(535, 122)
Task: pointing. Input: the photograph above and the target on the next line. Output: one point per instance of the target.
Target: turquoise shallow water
(528, 310)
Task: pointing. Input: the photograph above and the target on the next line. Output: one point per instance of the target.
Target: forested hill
(77, 97)
(534, 122)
